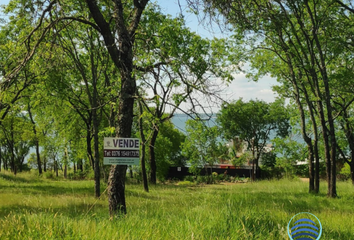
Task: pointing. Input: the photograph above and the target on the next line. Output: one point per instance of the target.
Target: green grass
(38, 208)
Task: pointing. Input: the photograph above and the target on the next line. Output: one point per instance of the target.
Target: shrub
(49, 175)
(186, 183)
(201, 179)
(90, 174)
(189, 178)
(227, 178)
(344, 172)
(161, 179)
(77, 175)
(220, 177)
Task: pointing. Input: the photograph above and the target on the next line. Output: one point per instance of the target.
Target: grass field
(38, 208)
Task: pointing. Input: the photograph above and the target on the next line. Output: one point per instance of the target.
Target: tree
(174, 66)
(289, 152)
(301, 35)
(201, 146)
(117, 24)
(253, 122)
(16, 144)
(126, 18)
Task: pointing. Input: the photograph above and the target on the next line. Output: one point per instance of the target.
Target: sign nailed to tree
(121, 151)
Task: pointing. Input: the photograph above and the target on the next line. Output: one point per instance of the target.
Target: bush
(227, 178)
(49, 175)
(302, 170)
(220, 178)
(161, 179)
(189, 178)
(77, 175)
(344, 174)
(25, 168)
(186, 183)
(201, 179)
(90, 174)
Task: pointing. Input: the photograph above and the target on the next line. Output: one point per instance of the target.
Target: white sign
(121, 151)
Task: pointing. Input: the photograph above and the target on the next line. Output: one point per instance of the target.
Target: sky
(241, 87)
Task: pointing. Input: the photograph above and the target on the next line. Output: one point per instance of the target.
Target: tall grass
(37, 208)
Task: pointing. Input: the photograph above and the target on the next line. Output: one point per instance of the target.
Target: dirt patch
(305, 179)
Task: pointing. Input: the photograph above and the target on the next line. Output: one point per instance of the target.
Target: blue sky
(241, 86)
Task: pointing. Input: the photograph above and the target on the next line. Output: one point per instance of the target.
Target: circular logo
(304, 226)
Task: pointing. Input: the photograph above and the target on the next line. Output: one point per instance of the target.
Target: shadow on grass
(290, 203)
(16, 179)
(49, 190)
(72, 210)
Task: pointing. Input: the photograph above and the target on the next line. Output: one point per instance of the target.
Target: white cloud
(247, 89)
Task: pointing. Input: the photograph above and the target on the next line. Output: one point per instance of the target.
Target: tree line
(73, 72)
(307, 46)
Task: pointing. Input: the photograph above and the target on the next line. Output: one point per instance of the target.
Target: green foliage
(289, 152)
(253, 122)
(49, 175)
(201, 146)
(244, 158)
(189, 178)
(269, 159)
(186, 183)
(345, 172)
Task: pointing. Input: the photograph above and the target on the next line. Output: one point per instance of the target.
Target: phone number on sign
(121, 153)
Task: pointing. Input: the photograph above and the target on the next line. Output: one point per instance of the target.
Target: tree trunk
(80, 165)
(65, 171)
(332, 143)
(296, 80)
(56, 168)
(311, 168)
(39, 163)
(152, 155)
(44, 164)
(143, 141)
(119, 44)
(89, 149)
(116, 190)
(352, 167)
(36, 140)
(96, 152)
(66, 157)
(317, 164)
(95, 124)
(131, 171)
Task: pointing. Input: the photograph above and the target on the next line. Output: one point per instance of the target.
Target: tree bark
(116, 190)
(89, 148)
(143, 141)
(352, 168)
(152, 155)
(95, 124)
(44, 164)
(36, 140)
